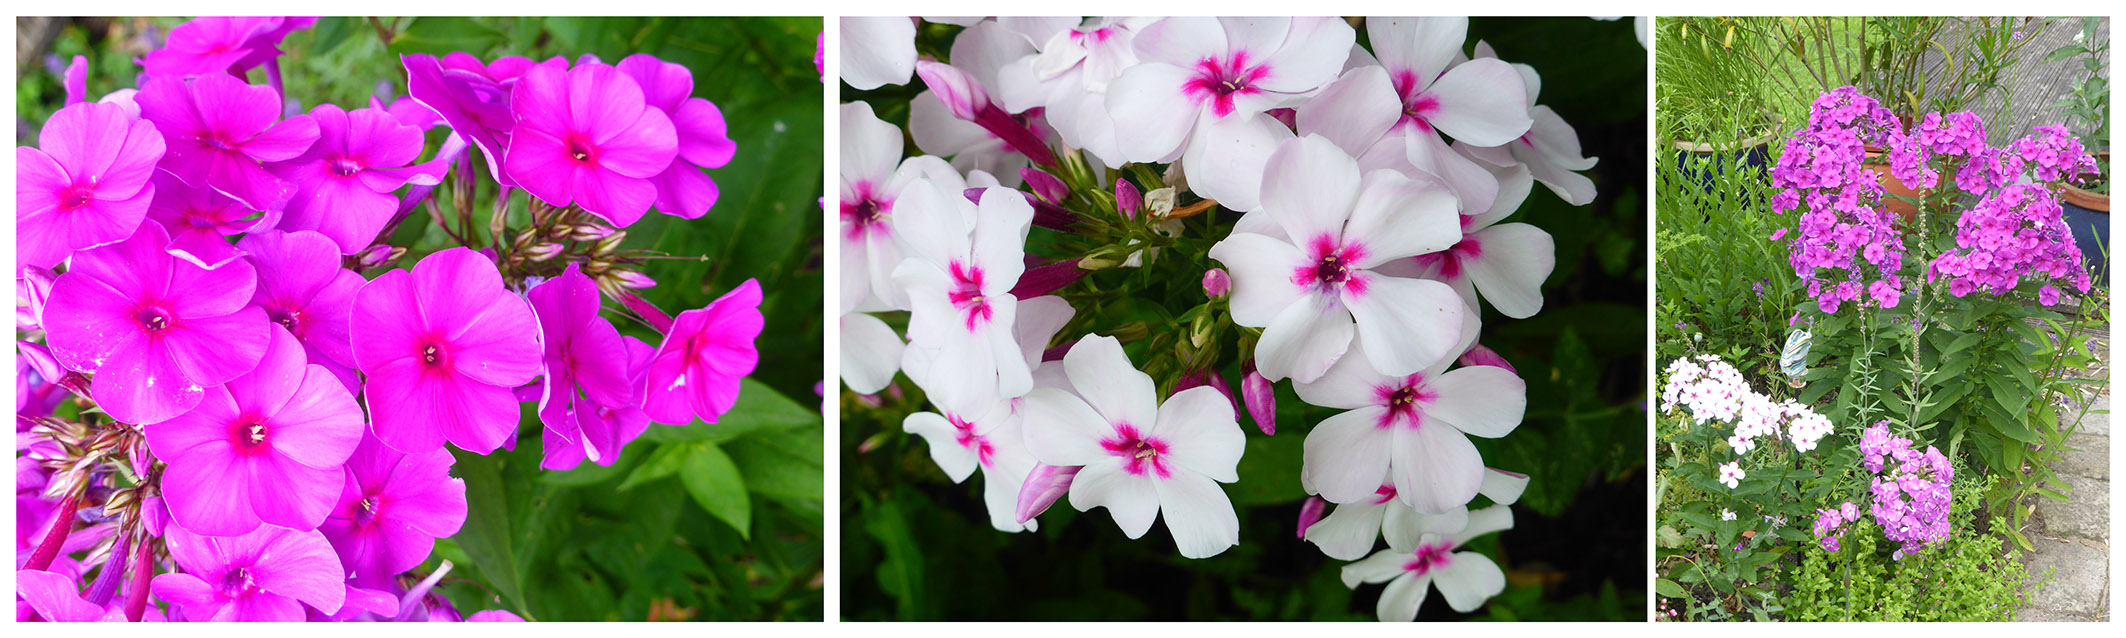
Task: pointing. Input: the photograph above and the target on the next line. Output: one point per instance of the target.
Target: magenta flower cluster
(1830, 523)
(2008, 237)
(1911, 488)
(283, 417)
(1846, 244)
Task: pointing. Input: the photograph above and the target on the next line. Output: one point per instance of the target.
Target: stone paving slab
(2080, 577)
(2087, 455)
(2086, 514)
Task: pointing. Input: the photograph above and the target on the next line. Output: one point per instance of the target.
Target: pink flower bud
(1481, 356)
(657, 319)
(635, 280)
(373, 256)
(543, 251)
(1206, 377)
(961, 93)
(1046, 484)
(1045, 279)
(1127, 198)
(1045, 185)
(1260, 396)
(1217, 284)
(1310, 513)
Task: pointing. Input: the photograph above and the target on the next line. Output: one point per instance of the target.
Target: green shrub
(1972, 575)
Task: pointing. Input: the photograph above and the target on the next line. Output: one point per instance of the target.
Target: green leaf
(2064, 52)
(1668, 588)
(439, 35)
(486, 536)
(900, 574)
(715, 484)
(758, 408)
(1961, 343)
(786, 464)
(666, 461)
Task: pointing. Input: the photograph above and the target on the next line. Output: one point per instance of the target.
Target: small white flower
(1731, 474)
(1412, 566)
(1727, 515)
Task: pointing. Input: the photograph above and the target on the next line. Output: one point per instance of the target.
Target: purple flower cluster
(2007, 237)
(2054, 154)
(1911, 488)
(1830, 523)
(1846, 243)
(281, 416)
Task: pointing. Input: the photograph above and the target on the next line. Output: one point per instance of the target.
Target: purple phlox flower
(390, 511)
(591, 400)
(265, 448)
(155, 330)
(443, 345)
(85, 185)
(220, 131)
(682, 189)
(199, 220)
(302, 287)
(695, 371)
(587, 136)
(344, 181)
(265, 575)
(214, 45)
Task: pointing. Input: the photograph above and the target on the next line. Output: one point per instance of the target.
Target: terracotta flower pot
(1880, 166)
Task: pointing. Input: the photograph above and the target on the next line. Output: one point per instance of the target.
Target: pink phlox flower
(155, 331)
(85, 185)
(586, 136)
(265, 448)
(211, 45)
(591, 402)
(695, 371)
(682, 189)
(267, 574)
(443, 345)
(200, 220)
(390, 510)
(344, 182)
(1409, 431)
(221, 131)
(302, 287)
(56, 598)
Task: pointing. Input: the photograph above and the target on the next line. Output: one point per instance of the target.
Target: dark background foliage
(916, 546)
(707, 521)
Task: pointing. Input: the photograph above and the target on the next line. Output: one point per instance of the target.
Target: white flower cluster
(1373, 184)
(1712, 390)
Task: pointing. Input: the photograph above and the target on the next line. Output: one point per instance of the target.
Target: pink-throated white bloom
(871, 353)
(1731, 474)
(1068, 78)
(872, 177)
(1141, 459)
(992, 439)
(963, 260)
(877, 51)
(1550, 149)
(1314, 290)
(1349, 532)
(1197, 70)
(1413, 566)
(1410, 431)
(1507, 263)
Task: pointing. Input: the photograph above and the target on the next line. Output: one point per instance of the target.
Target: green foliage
(1971, 575)
(920, 547)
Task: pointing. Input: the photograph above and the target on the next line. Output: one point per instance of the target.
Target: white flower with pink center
(992, 442)
(1550, 149)
(1408, 431)
(1507, 263)
(1069, 78)
(1731, 474)
(1349, 532)
(1315, 288)
(962, 261)
(1198, 71)
(1140, 459)
(1414, 565)
(872, 177)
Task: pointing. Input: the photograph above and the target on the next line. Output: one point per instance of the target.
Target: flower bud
(1310, 513)
(543, 251)
(610, 244)
(1106, 257)
(1260, 396)
(1479, 355)
(1128, 200)
(1160, 201)
(1045, 279)
(589, 232)
(1207, 377)
(1045, 185)
(962, 94)
(632, 279)
(1216, 283)
(657, 319)
(1046, 484)
(377, 255)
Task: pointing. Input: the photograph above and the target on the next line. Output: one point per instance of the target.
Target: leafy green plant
(1969, 576)
(2090, 102)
